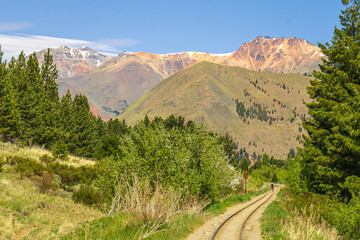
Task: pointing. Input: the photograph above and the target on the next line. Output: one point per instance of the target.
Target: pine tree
(82, 127)
(50, 106)
(9, 112)
(65, 116)
(332, 148)
(49, 74)
(31, 95)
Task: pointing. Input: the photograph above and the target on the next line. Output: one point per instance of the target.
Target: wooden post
(245, 186)
(245, 177)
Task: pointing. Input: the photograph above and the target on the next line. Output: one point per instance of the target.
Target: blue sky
(159, 26)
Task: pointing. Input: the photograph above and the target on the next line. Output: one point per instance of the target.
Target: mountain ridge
(208, 93)
(118, 81)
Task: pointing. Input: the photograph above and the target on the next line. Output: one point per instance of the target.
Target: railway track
(240, 217)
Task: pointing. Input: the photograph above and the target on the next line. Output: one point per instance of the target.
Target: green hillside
(210, 93)
(26, 212)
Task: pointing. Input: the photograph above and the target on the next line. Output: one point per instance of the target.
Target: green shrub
(71, 176)
(59, 150)
(87, 195)
(25, 166)
(1, 166)
(46, 159)
(193, 162)
(45, 182)
(346, 218)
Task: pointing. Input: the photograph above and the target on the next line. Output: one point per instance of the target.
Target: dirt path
(231, 230)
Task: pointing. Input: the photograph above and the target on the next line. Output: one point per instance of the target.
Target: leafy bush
(71, 176)
(88, 195)
(60, 150)
(45, 182)
(346, 218)
(25, 166)
(46, 159)
(193, 162)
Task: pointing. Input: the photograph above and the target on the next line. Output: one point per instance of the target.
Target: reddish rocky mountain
(112, 84)
(74, 62)
(288, 55)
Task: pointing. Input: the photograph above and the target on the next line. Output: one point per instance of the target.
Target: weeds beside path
(281, 221)
(178, 227)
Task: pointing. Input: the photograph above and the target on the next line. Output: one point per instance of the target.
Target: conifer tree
(9, 113)
(50, 106)
(65, 116)
(332, 148)
(49, 74)
(82, 127)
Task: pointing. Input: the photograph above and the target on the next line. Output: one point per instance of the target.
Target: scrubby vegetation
(162, 174)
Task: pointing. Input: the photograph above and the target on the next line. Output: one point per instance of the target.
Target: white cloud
(12, 45)
(14, 26)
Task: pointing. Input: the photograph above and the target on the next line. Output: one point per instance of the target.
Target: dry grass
(24, 212)
(150, 206)
(298, 227)
(35, 152)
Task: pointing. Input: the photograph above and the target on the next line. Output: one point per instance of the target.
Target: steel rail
(227, 219)
(254, 212)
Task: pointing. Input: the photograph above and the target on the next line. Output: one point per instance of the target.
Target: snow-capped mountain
(74, 62)
(113, 83)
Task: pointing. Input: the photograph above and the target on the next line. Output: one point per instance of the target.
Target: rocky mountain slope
(112, 86)
(74, 62)
(276, 55)
(262, 111)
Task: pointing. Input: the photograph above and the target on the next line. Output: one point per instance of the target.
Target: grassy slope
(36, 152)
(24, 212)
(281, 221)
(206, 92)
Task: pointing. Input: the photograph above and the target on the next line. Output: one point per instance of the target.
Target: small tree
(60, 150)
(45, 182)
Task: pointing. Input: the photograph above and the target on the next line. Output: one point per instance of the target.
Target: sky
(161, 26)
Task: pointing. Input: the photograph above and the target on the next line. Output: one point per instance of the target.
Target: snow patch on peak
(64, 47)
(125, 54)
(221, 54)
(201, 53)
(72, 52)
(84, 54)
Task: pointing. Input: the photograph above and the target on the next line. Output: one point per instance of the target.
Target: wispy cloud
(14, 26)
(12, 45)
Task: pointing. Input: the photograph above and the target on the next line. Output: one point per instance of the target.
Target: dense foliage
(31, 111)
(332, 148)
(178, 154)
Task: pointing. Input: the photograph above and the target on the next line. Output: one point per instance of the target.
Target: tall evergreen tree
(9, 112)
(30, 96)
(332, 148)
(82, 128)
(49, 74)
(65, 116)
(50, 106)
